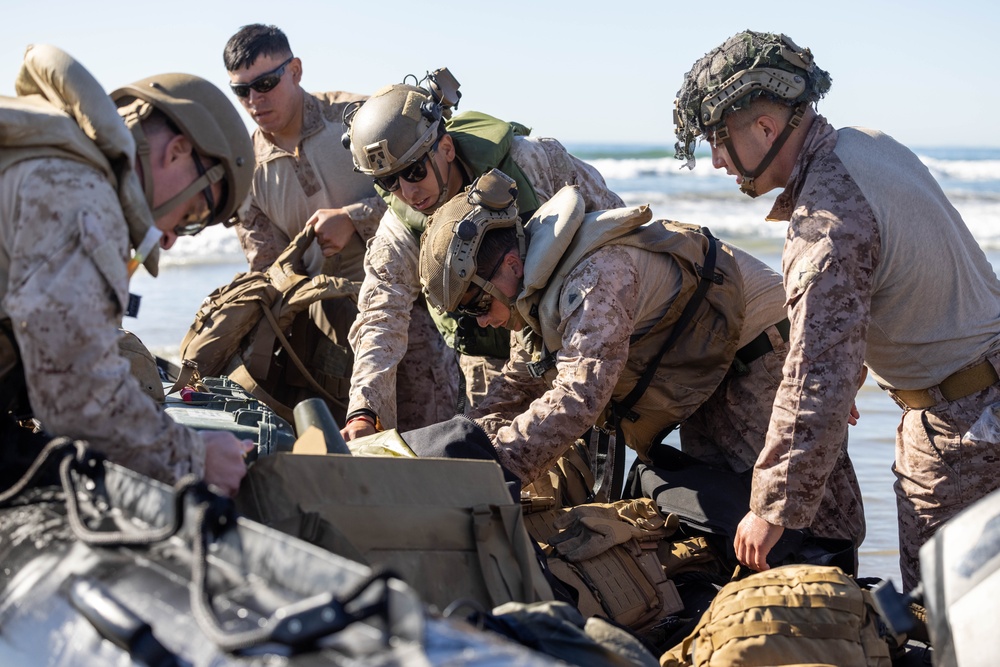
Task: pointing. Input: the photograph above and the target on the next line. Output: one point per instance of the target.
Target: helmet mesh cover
(449, 246)
(743, 52)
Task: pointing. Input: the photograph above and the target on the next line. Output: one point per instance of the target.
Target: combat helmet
(454, 234)
(205, 116)
(399, 124)
(747, 66)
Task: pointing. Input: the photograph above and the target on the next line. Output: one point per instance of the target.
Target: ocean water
(704, 196)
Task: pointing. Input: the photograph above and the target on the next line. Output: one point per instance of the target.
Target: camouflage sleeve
(597, 308)
(509, 393)
(260, 239)
(550, 167)
(366, 214)
(379, 334)
(829, 261)
(68, 247)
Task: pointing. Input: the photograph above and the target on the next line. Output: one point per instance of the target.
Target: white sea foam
(972, 171)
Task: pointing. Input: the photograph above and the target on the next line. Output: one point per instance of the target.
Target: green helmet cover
(747, 66)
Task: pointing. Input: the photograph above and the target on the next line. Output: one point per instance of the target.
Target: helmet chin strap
(749, 184)
(442, 182)
(133, 116)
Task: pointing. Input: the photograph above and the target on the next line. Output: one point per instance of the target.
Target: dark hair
(253, 41)
(495, 244)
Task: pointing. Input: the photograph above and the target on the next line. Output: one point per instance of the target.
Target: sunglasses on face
(196, 221)
(481, 303)
(415, 173)
(478, 306)
(263, 83)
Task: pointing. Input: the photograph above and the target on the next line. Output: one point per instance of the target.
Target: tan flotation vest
(62, 111)
(561, 236)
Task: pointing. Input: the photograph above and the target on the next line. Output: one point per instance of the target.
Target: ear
(178, 147)
(769, 127)
(296, 67)
(513, 260)
(447, 147)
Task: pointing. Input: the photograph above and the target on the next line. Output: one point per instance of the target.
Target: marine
(91, 186)
(880, 274)
(594, 300)
(419, 156)
(302, 178)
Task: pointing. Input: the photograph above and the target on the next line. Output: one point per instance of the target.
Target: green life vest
(482, 143)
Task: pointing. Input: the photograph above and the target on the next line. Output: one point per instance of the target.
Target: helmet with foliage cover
(204, 115)
(454, 233)
(747, 66)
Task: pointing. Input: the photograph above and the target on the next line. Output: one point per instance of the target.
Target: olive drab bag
(240, 327)
(794, 615)
(447, 527)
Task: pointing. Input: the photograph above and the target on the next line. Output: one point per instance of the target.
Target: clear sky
(578, 70)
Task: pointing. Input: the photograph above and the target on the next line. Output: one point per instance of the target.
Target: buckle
(537, 369)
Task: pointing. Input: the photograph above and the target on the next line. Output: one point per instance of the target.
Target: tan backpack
(795, 615)
(239, 327)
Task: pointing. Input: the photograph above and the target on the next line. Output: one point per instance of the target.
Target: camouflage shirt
(64, 245)
(828, 262)
(532, 423)
(288, 188)
(392, 281)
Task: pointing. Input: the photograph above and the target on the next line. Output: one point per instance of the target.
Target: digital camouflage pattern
(326, 179)
(727, 431)
(533, 423)
(392, 281)
(427, 377)
(833, 251)
(66, 240)
(747, 50)
(940, 470)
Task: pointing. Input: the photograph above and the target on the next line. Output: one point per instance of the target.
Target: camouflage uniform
(326, 179)
(63, 284)
(866, 220)
(289, 188)
(392, 284)
(533, 422)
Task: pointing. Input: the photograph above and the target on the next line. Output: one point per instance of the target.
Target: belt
(761, 345)
(957, 385)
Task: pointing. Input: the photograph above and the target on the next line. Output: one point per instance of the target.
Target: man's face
(751, 141)
(171, 175)
(424, 194)
(490, 312)
(274, 110)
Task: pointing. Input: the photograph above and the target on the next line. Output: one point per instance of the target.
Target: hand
(225, 466)
(357, 429)
(333, 229)
(755, 538)
(854, 415)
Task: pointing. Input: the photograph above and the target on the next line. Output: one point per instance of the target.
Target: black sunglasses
(263, 83)
(195, 222)
(481, 303)
(415, 173)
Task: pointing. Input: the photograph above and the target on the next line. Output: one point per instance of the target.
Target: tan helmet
(456, 230)
(397, 125)
(204, 114)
